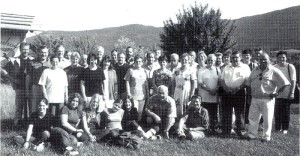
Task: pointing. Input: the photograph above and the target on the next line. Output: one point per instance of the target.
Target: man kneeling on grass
(195, 122)
(38, 132)
(161, 112)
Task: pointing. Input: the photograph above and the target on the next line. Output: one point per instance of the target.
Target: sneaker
(40, 147)
(232, 132)
(181, 135)
(284, 131)
(71, 152)
(265, 140)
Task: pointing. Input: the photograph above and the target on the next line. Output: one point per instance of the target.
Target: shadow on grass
(294, 109)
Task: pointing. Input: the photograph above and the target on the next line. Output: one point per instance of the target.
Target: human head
(264, 61)
(226, 57)
(163, 61)
(106, 62)
(185, 59)
(68, 55)
(54, 61)
(128, 104)
(75, 57)
(114, 55)
(150, 57)
(92, 59)
(246, 55)
(219, 57)
(157, 53)
(193, 56)
(100, 53)
(211, 59)
(235, 58)
(201, 57)
(162, 91)
(60, 51)
(24, 48)
(258, 52)
(94, 102)
(75, 100)
(43, 105)
(83, 60)
(196, 102)
(174, 59)
(281, 57)
(121, 58)
(129, 52)
(138, 61)
(117, 105)
(43, 53)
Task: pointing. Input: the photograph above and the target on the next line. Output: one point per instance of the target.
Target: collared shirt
(151, 68)
(234, 77)
(197, 118)
(162, 108)
(173, 68)
(265, 82)
(209, 77)
(36, 69)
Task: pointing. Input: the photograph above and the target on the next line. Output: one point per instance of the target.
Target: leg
(227, 114)
(268, 112)
(278, 114)
(286, 114)
(193, 135)
(141, 104)
(254, 116)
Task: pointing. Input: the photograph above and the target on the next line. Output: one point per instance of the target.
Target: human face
(162, 94)
(68, 56)
(219, 60)
(93, 61)
(201, 58)
(246, 57)
(114, 56)
(263, 62)
(42, 108)
(226, 59)
(196, 103)
(235, 59)
(150, 58)
(100, 52)
(129, 52)
(74, 102)
(128, 104)
(185, 61)
(54, 63)
(117, 106)
(74, 60)
(174, 61)
(25, 50)
(60, 52)
(157, 54)
(106, 64)
(163, 64)
(193, 56)
(84, 59)
(94, 103)
(138, 63)
(43, 54)
(281, 58)
(210, 61)
(121, 59)
(257, 55)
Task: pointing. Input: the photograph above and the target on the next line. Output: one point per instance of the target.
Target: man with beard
(121, 69)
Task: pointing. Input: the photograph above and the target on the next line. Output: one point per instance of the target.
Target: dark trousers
(236, 101)
(248, 102)
(282, 114)
(212, 109)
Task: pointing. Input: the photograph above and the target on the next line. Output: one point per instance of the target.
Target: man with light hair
(60, 53)
(193, 64)
(99, 53)
(161, 112)
(174, 64)
(219, 61)
(129, 56)
(266, 82)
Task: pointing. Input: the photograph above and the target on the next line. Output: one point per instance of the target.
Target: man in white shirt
(60, 53)
(174, 64)
(233, 81)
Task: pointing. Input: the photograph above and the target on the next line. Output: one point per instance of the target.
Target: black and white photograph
(149, 77)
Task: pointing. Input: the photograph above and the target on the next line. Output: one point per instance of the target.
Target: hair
(258, 49)
(53, 57)
(163, 58)
(236, 53)
(213, 56)
(149, 53)
(90, 56)
(107, 59)
(201, 53)
(58, 46)
(44, 100)
(75, 55)
(163, 88)
(73, 96)
(247, 51)
(125, 100)
(94, 97)
(227, 53)
(218, 54)
(197, 97)
(138, 56)
(266, 56)
(192, 51)
(281, 52)
(114, 50)
(185, 55)
(100, 48)
(23, 44)
(119, 101)
(43, 47)
(128, 47)
(175, 55)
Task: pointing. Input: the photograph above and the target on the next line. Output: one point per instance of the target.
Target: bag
(129, 140)
(296, 99)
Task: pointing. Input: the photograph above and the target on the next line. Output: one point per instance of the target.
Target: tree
(47, 40)
(198, 28)
(123, 43)
(83, 44)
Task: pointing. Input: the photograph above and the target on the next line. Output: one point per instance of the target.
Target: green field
(280, 144)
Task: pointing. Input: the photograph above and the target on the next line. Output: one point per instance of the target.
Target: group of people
(193, 96)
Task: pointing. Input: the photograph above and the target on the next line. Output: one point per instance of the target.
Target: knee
(149, 120)
(46, 134)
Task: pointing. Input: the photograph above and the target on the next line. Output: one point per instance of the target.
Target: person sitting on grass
(161, 112)
(38, 132)
(195, 122)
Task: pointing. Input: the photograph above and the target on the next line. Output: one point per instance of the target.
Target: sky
(75, 15)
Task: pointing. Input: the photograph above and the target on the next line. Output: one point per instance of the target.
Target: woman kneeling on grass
(38, 132)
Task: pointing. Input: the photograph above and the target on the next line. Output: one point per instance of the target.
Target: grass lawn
(280, 144)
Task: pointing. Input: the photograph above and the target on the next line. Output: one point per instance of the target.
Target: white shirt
(234, 77)
(210, 78)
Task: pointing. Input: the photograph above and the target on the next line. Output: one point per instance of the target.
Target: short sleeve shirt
(210, 78)
(234, 77)
(41, 124)
(162, 77)
(137, 80)
(36, 69)
(93, 81)
(112, 119)
(198, 118)
(74, 75)
(74, 115)
(162, 108)
(291, 76)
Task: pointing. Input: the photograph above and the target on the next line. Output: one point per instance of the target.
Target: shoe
(284, 131)
(71, 152)
(181, 135)
(166, 135)
(265, 140)
(40, 147)
(246, 137)
(232, 132)
(78, 144)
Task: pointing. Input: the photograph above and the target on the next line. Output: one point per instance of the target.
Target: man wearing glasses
(266, 83)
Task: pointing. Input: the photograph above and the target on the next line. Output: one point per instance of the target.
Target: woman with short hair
(163, 75)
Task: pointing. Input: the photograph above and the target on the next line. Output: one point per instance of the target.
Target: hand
(92, 138)
(291, 96)
(79, 131)
(26, 145)
(129, 95)
(3, 72)
(190, 129)
(273, 95)
(84, 98)
(157, 119)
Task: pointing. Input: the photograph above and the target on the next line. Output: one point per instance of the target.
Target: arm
(153, 115)
(181, 123)
(193, 87)
(292, 89)
(44, 92)
(128, 89)
(65, 123)
(87, 130)
(82, 88)
(154, 84)
(28, 135)
(66, 94)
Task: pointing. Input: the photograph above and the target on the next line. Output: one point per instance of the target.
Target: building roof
(19, 22)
